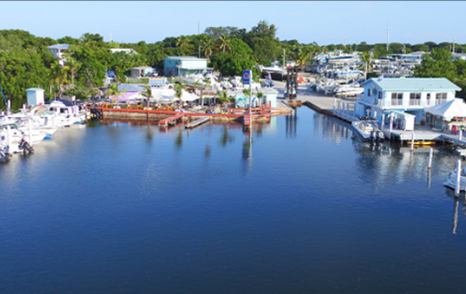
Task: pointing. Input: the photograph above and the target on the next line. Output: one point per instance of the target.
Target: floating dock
(197, 122)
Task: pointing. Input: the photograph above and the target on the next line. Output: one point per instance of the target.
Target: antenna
(387, 40)
(199, 46)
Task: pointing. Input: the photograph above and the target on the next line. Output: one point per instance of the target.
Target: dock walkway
(197, 122)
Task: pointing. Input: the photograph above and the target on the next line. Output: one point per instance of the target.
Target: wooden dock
(197, 122)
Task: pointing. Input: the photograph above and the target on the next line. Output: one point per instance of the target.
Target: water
(303, 209)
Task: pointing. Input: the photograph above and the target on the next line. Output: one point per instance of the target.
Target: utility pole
(284, 58)
(198, 33)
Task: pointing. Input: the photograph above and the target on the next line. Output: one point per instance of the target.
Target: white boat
(348, 91)
(10, 137)
(367, 129)
(450, 181)
(66, 115)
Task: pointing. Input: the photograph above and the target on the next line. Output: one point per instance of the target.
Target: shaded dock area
(171, 120)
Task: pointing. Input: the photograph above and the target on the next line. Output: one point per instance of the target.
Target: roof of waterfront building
(60, 46)
(185, 57)
(130, 88)
(449, 109)
(414, 84)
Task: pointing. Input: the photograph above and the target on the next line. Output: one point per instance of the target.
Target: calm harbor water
(301, 208)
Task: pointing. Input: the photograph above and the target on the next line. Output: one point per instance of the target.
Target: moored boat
(368, 130)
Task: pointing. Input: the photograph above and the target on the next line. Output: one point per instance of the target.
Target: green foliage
(232, 62)
(262, 40)
(440, 64)
(26, 62)
(437, 64)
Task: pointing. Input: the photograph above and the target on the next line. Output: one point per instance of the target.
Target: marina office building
(403, 95)
(184, 65)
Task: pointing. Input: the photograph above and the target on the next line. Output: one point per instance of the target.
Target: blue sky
(323, 22)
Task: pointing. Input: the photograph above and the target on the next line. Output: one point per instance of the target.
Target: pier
(197, 122)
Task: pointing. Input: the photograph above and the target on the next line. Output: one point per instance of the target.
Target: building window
(397, 99)
(440, 98)
(368, 92)
(415, 99)
(428, 96)
(380, 95)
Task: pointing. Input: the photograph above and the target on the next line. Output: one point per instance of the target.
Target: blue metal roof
(414, 84)
(130, 87)
(60, 46)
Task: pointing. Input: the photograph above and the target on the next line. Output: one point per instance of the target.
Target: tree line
(26, 62)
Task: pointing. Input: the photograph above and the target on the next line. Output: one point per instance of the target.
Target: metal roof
(185, 58)
(60, 46)
(414, 84)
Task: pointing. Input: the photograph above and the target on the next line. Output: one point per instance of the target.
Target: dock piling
(458, 177)
(412, 141)
(431, 155)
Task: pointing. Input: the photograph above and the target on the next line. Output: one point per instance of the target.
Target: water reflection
(331, 128)
(179, 139)
(149, 134)
(207, 151)
(225, 137)
(458, 201)
(247, 150)
(291, 122)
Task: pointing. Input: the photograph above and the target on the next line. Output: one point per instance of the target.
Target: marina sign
(247, 76)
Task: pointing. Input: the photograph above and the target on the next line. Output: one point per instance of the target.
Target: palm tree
(198, 86)
(71, 66)
(223, 43)
(303, 59)
(208, 47)
(147, 93)
(223, 96)
(366, 58)
(112, 90)
(58, 77)
(179, 91)
(183, 44)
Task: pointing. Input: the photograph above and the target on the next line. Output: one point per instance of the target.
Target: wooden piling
(458, 177)
(412, 141)
(431, 155)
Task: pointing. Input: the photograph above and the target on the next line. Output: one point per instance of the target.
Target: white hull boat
(368, 130)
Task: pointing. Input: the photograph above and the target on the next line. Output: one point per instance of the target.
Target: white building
(411, 95)
(141, 71)
(124, 50)
(184, 65)
(57, 51)
(35, 96)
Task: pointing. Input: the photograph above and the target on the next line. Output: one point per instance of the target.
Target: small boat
(450, 182)
(4, 153)
(367, 129)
